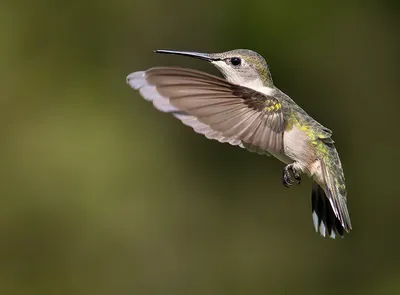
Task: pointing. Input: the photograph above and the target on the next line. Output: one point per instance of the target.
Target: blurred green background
(103, 194)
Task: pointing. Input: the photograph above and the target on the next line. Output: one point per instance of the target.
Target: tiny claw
(297, 177)
(290, 176)
(286, 182)
(287, 178)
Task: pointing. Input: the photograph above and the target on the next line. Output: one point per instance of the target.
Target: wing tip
(136, 79)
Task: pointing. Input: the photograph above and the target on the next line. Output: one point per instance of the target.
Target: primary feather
(214, 107)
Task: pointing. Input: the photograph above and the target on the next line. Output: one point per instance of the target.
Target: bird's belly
(298, 147)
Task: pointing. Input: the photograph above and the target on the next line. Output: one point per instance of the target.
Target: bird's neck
(265, 75)
(260, 86)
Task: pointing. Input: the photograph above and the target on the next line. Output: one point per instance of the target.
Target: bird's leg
(296, 174)
(290, 175)
(287, 177)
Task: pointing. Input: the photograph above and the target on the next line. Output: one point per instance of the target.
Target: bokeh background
(103, 194)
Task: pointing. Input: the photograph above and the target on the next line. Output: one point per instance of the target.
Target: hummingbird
(247, 110)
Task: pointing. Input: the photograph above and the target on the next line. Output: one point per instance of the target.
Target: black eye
(236, 61)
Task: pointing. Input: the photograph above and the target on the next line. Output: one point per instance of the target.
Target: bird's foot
(290, 175)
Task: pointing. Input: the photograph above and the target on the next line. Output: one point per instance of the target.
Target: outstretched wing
(214, 107)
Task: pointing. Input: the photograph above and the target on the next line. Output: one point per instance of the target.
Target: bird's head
(239, 66)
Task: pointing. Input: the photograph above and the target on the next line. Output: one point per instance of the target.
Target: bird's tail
(329, 201)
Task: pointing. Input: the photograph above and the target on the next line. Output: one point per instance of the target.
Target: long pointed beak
(203, 56)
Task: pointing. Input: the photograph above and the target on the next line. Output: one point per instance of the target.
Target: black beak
(203, 56)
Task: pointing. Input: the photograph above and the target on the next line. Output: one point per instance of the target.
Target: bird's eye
(236, 61)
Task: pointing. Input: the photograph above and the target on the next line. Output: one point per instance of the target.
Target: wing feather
(335, 193)
(214, 107)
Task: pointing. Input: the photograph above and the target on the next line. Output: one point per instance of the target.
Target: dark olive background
(103, 194)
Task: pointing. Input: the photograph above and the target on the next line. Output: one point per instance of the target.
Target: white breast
(298, 147)
(258, 86)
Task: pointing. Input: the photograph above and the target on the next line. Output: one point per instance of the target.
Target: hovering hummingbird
(245, 109)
